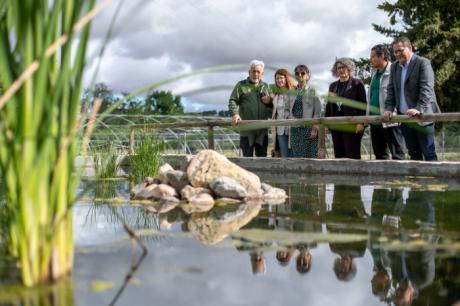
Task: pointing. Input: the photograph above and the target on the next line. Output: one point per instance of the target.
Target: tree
(163, 103)
(363, 69)
(102, 91)
(434, 29)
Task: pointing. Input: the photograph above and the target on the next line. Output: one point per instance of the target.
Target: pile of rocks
(205, 179)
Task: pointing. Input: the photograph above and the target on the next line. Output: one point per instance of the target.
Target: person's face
(303, 261)
(258, 263)
(402, 53)
(380, 282)
(342, 71)
(255, 74)
(302, 75)
(377, 61)
(280, 80)
(345, 264)
(404, 294)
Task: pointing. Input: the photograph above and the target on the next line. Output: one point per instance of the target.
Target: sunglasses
(301, 73)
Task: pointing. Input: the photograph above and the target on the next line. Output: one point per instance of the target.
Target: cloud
(155, 40)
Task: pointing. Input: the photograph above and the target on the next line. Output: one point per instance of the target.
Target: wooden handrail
(260, 124)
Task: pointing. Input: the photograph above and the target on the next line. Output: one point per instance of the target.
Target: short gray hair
(256, 63)
(347, 62)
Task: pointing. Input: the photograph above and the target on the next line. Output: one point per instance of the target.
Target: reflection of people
(344, 268)
(303, 260)
(346, 141)
(412, 270)
(284, 256)
(250, 100)
(304, 105)
(411, 92)
(257, 262)
(283, 83)
(347, 204)
(386, 137)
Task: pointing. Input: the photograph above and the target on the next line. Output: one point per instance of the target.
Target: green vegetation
(147, 158)
(155, 103)
(106, 162)
(434, 29)
(39, 125)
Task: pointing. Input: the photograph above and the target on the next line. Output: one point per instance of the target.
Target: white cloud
(155, 40)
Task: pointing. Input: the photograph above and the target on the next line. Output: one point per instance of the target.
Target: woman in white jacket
(283, 83)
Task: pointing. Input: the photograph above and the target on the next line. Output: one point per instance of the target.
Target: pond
(377, 242)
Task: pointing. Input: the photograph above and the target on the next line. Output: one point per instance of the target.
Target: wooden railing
(258, 124)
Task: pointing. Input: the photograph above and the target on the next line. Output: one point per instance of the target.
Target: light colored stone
(146, 193)
(208, 164)
(201, 199)
(165, 168)
(137, 189)
(188, 191)
(228, 188)
(275, 193)
(177, 179)
(163, 190)
(226, 201)
(215, 225)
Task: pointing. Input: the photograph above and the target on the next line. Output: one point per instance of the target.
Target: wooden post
(211, 137)
(321, 142)
(131, 140)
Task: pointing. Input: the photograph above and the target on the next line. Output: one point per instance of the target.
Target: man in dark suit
(411, 91)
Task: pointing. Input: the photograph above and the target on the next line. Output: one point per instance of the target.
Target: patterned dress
(301, 144)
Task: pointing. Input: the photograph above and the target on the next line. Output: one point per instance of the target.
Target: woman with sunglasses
(304, 104)
(347, 97)
(280, 134)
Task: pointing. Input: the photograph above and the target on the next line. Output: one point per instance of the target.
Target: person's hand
(235, 119)
(359, 128)
(266, 99)
(314, 133)
(412, 112)
(386, 116)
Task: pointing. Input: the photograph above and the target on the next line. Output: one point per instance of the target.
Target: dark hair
(404, 40)
(381, 50)
(303, 67)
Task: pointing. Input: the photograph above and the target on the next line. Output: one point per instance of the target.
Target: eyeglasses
(341, 67)
(301, 73)
(396, 51)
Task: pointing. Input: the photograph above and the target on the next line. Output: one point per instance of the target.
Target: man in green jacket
(250, 100)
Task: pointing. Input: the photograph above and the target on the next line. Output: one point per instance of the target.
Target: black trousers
(248, 150)
(386, 141)
(347, 145)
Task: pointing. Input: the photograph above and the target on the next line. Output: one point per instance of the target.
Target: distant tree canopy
(155, 103)
(434, 29)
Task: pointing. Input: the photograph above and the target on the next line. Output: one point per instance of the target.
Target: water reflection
(330, 244)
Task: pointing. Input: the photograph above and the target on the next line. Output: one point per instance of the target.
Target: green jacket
(246, 101)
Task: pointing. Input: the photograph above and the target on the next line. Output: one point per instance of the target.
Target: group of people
(405, 87)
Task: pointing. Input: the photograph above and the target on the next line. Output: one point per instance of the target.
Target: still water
(378, 242)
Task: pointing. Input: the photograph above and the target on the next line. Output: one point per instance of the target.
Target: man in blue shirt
(411, 92)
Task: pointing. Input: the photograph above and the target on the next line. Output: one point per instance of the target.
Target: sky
(154, 40)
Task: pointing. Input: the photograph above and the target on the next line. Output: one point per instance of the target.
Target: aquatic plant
(39, 127)
(147, 157)
(106, 162)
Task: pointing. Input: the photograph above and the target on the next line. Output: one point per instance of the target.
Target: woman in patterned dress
(304, 104)
(280, 134)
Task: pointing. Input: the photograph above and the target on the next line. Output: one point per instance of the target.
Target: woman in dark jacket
(346, 138)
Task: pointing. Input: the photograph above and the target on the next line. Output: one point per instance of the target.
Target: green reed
(147, 157)
(42, 67)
